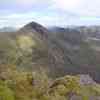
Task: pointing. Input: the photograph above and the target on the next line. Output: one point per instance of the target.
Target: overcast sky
(17, 13)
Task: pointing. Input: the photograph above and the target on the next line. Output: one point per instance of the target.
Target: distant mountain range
(8, 29)
(90, 31)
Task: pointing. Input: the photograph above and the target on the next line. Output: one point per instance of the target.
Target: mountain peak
(34, 27)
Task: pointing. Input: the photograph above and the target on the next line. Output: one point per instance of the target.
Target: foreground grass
(22, 85)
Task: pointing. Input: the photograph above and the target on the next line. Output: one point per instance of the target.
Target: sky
(16, 13)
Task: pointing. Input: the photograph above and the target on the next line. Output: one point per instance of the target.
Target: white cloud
(30, 3)
(55, 12)
(25, 2)
(18, 20)
(67, 4)
(81, 7)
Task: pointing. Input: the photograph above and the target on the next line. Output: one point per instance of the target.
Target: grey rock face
(86, 80)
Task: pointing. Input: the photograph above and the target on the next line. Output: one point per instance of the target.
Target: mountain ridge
(59, 53)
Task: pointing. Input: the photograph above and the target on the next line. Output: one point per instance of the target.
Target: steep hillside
(59, 53)
(76, 50)
(25, 48)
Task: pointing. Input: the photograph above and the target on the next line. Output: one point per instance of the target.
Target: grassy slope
(22, 85)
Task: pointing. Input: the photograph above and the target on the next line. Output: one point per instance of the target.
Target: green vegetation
(17, 83)
(5, 92)
(22, 85)
(21, 51)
